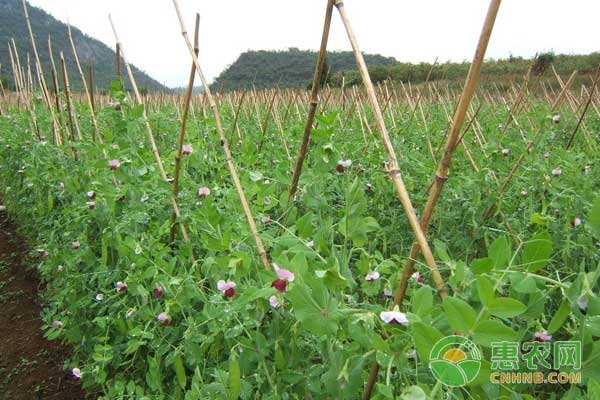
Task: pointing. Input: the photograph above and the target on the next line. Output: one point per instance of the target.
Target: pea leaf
(425, 336)
(559, 317)
(461, 316)
(506, 307)
(490, 331)
(500, 252)
(536, 251)
(314, 309)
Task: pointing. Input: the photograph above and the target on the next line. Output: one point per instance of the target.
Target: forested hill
(289, 68)
(295, 68)
(91, 51)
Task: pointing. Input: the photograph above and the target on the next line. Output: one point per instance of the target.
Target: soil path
(30, 366)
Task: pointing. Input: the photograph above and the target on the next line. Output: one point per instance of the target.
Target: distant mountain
(288, 68)
(90, 50)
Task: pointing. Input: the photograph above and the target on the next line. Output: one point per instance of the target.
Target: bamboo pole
(392, 166)
(228, 158)
(67, 90)
(150, 135)
(95, 131)
(184, 118)
(314, 102)
(563, 92)
(585, 109)
(444, 165)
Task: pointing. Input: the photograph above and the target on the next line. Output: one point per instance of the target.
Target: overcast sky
(410, 31)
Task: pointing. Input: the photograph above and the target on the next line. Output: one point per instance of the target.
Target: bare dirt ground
(31, 367)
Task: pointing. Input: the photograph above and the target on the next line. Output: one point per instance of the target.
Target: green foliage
(319, 337)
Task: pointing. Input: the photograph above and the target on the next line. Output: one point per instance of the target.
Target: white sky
(413, 31)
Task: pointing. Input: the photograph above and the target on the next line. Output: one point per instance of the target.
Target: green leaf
(314, 308)
(235, 377)
(413, 393)
(539, 219)
(593, 391)
(500, 252)
(461, 316)
(490, 331)
(592, 324)
(485, 290)
(180, 371)
(332, 278)
(506, 307)
(422, 302)
(594, 218)
(536, 251)
(482, 265)
(425, 336)
(256, 176)
(559, 317)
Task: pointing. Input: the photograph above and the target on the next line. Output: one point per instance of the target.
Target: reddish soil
(30, 366)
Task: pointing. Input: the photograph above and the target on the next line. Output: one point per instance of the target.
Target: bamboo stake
(314, 102)
(393, 168)
(444, 165)
(564, 91)
(69, 105)
(155, 152)
(228, 158)
(587, 105)
(95, 131)
(181, 138)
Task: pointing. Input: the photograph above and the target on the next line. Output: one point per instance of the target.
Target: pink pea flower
(164, 318)
(284, 273)
(342, 165)
(274, 301)
(114, 164)
(394, 317)
(227, 288)
(187, 149)
(280, 285)
(266, 220)
(57, 324)
(203, 192)
(542, 336)
(372, 276)
(557, 171)
(76, 374)
(158, 292)
(418, 277)
(121, 286)
(75, 245)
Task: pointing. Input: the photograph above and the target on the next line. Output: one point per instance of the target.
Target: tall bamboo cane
(228, 158)
(95, 131)
(444, 165)
(314, 101)
(150, 135)
(393, 168)
(184, 118)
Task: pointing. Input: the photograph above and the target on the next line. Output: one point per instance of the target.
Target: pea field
(219, 246)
